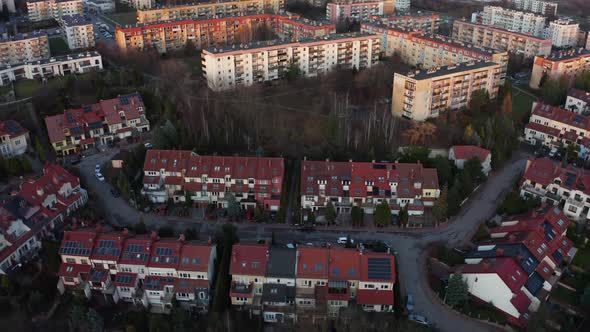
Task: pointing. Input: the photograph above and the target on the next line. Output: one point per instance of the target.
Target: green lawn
(28, 88)
(521, 106)
(121, 18)
(565, 295)
(582, 258)
(58, 46)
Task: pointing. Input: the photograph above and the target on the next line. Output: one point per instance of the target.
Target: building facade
(563, 33)
(460, 154)
(78, 31)
(578, 101)
(358, 10)
(426, 22)
(140, 4)
(176, 175)
(100, 6)
(425, 94)
(78, 63)
(217, 32)
(364, 184)
(80, 129)
(14, 139)
(24, 47)
(559, 64)
(40, 10)
(230, 67)
(512, 20)
(209, 10)
(546, 8)
(500, 39)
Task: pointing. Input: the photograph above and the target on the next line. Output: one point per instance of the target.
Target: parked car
(418, 319)
(410, 302)
(97, 168)
(147, 145)
(343, 240)
(99, 177)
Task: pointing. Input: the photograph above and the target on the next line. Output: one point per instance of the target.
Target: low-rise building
(14, 139)
(578, 101)
(24, 47)
(244, 65)
(425, 94)
(78, 31)
(460, 154)
(75, 63)
(248, 269)
(40, 10)
(516, 270)
(100, 6)
(100, 123)
(559, 64)
(140, 4)
(174, 174)
(278, 291)
(522, 22)
(555, 184)
(217, 32)
(358, 10)
(203, 10)
(364, 184)
(425, 22)
(563, 33)
(500, 39)
(547, 8)
(311, 280)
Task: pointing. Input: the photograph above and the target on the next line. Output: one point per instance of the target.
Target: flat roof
(74, 20)
(502, 30)
(450, 69)
(567, 54)
(59, 58)
(22, 36)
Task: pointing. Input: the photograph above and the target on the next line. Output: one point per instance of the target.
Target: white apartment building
(13, 139)
(40, 10)
(24, 47)
(230, 67)
(402, 5)
(140, 4)
(77, 63)
(578, 101)
(100, 6)
(563, 33)
(78, 31)
(425, 94)
(358, 10)
(536, 6)
(512, 20)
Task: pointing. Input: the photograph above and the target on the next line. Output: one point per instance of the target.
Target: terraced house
(365, 184)
(96, 124)
(176, 175)
(144, 270)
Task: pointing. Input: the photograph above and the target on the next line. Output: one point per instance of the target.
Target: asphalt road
(410, 245)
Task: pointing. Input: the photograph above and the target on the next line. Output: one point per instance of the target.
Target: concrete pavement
(410, 245)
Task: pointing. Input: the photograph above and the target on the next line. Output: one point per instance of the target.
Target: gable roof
(312, 262)
(344, 264)
(281, 262)
(466, 152)
(78, 243)
(12, 129)
(249, 259)
(194, 257)
(165, 253)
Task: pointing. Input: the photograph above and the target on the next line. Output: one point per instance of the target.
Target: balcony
(241, 290)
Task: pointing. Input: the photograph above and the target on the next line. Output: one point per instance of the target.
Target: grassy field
(122, 18)
(28, 88)
(582, 258)
(58, 46)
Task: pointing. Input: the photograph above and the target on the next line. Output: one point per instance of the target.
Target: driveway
(410, 245)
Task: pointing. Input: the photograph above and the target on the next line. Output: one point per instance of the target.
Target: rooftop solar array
(107, 248)
(194, 261)
(135, 252)
(74, 248)
(379, 268)
(124, 279)
(154, 283)
(535, 283)
(97, 275)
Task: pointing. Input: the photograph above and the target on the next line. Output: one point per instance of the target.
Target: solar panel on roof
(336, 272)
(379, 268)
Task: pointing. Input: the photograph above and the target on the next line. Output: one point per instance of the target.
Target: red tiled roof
(521, 302)
(108, 246)
(544, 171)
(249, 259)
(82, 241)
(344, 264)
(560, 115)
(466, 152)
(189, 285)
(157, 283)
(195, 257)
(543, 129)
(54, 181)
(165, 253)
(377, 296)
(73, 270)
(136, 251)
(12, 129)
(312, 262)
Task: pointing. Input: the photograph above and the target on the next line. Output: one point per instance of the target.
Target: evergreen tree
(403, 215)
(457, 290)
(441, 206)
(382, 216)
(233, 207)
(357, 216)
(94, 320)
(330, 213)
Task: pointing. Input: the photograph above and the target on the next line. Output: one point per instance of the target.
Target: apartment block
(520, 265)
(253, 181)
(546, 8)
(563, 33)
(87, 127)
(217, 32)
(14, 139)
(428, 51)
(100, 6)
(403, 5)
(39, 10)
(206, 10)
(358, 10)
(33, 211)
(368, 184)
(244, 65)
(78, 63)
(427, 23)
(79, 32)
(140, 4)
(511, 20)
(24, 47)
(553, 183)
(324, 281)
(143, 270)
(566, 63)
(500, 39)
(425, 94)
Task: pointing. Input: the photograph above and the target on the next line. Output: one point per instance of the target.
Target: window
(70, 261)
(572, 209)
(201, 295)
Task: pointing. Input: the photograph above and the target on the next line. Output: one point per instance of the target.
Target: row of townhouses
(95, 124)
(14, 139)
(244, 65)
(287, 284)
(32, 212)
(209, 10)
(75, 63)
(553, 183)
(566, 63)
(518, 267)
(144, 270)
(208, 32)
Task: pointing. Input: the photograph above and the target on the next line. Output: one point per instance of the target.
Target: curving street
(409, 244)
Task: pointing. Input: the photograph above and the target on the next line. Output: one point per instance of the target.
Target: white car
(342, 240)
(418, 319)
(99, 177)
(97, 168)
(148, 145)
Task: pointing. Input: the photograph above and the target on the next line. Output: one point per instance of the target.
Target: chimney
(181, 238)
(500, 252)
(534, 214)
(125, 232)
(209, 241)
(511, 238)
(154, 235)
(98, 228)
(486, 265)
